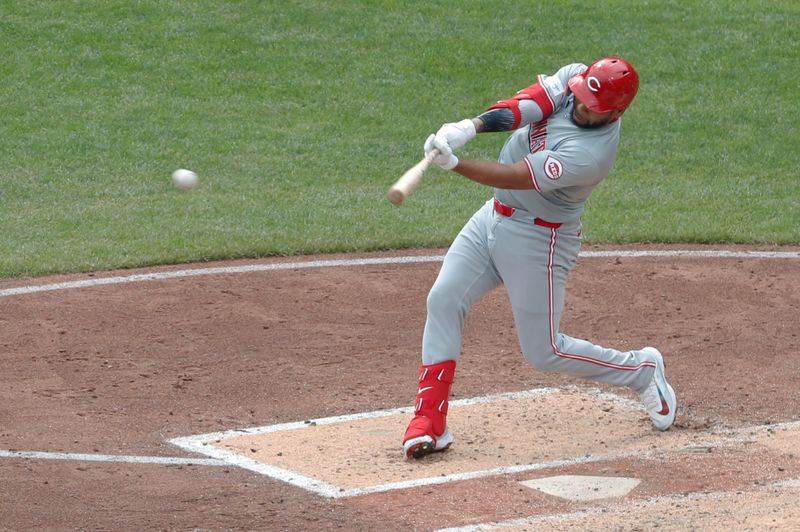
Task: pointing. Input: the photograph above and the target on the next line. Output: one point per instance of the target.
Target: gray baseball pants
(533, 262)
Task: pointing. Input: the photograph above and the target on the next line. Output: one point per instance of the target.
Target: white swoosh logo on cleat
(423, 389)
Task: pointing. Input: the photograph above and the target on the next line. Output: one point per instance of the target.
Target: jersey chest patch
(553, 168)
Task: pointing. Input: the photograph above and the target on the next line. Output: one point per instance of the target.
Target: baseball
(185, 179)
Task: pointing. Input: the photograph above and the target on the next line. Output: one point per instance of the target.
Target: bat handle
(429, 157)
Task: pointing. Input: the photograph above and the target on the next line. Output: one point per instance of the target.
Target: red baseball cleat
(421, 440)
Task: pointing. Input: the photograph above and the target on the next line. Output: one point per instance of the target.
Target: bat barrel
(404, 186)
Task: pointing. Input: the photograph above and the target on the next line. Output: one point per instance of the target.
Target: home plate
(583, 488)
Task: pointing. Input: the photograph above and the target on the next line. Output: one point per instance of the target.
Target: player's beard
(586, 124)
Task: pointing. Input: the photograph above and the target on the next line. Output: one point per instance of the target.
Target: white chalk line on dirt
(87, 457)
(194, 272)
(605, 509)
(249, 268)
(741, 435)
(203, 444)
(623, 508)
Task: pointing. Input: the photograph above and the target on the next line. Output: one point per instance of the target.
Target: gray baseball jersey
(566, 162)
(529, 241)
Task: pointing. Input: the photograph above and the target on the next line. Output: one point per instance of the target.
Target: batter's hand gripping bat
(404, 186)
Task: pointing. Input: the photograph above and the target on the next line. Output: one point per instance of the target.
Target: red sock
(433, 395)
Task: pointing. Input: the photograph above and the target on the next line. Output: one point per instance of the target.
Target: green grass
(298, 116)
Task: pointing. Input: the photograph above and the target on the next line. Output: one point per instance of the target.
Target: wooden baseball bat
(404, 186)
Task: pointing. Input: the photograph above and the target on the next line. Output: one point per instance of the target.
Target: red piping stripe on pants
(551, 313)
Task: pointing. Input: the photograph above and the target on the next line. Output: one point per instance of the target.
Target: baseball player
(564, 141)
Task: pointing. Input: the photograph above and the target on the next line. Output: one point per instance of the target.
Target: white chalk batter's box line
(203, 444)
(564, 518)
(249, 268)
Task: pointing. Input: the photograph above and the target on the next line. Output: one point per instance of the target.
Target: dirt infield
(101, 377)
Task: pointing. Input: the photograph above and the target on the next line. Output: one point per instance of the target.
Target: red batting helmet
(609, 84)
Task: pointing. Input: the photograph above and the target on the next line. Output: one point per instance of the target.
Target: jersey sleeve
(566, 167)
(538, 101)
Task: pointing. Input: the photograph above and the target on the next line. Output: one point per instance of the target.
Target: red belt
(505, 210)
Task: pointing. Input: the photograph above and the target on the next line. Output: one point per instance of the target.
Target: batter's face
(582, 116)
